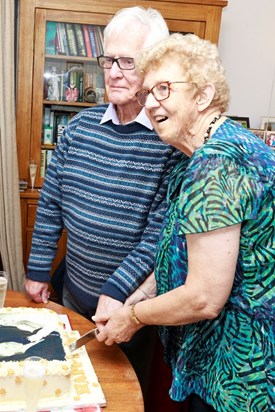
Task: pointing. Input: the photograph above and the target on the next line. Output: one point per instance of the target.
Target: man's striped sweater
(106, 185)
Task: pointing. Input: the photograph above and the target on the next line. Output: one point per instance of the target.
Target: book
(81, 49)
(99, 30)
(72, 45)
(87, 40)
(47, 116)
(62, 36)
(43, 162)
(48, 157)
(58, 41)
(50, 42)
(48, 135)
(92, 39)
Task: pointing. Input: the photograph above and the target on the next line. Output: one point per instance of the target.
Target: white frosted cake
(70, 379)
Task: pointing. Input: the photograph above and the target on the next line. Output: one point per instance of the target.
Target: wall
(247, 49)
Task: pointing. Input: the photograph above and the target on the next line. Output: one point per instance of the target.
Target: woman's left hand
(118, 328)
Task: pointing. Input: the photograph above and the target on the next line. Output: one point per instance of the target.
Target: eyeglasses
(160, 91)
(124, 63)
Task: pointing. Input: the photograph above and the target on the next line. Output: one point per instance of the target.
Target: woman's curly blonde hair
(199, 59)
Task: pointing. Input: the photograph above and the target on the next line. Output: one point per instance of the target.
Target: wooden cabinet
(201, 17)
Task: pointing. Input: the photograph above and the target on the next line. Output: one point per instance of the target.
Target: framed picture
(268, 123)
(259, 132)
(268, 136)
(244, 121)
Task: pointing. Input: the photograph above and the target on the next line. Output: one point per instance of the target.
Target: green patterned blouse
(228, 361)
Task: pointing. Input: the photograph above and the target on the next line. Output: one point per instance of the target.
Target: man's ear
(205, 97)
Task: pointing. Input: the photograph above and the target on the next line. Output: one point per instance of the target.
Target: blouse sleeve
(216, 193)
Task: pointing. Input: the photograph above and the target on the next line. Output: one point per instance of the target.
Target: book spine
(99, 40)
(50, 41)
(80, 96)
(101, 36)
(48, 135)
(71, 39)
(58, 45)
(49, 157)
(43, 162)
(87, 40)
(80, 40)
(47, 116)
(92, 39)
(63, 38)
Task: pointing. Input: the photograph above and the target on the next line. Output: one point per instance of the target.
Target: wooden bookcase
(202, 17)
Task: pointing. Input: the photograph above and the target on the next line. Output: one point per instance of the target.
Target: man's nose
(115, 70)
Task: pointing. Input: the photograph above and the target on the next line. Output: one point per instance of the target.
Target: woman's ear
(205, 97)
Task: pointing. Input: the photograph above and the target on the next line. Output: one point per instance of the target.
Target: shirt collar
(111, 114)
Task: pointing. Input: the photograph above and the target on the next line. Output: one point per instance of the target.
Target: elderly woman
(214, 267)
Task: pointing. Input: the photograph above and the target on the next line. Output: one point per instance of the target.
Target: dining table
(114, 372)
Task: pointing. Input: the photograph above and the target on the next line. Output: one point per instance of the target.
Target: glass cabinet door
(67, 79)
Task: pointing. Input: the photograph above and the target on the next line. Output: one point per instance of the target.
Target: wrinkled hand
(118, 326)
(105, 305)
(38, 291)
(147, 290)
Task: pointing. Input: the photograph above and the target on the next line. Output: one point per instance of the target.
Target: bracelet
(133, 317)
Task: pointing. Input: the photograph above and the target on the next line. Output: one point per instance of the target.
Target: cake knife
(83, 339)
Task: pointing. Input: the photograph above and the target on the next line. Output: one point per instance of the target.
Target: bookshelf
(58, 73)
(72, 79)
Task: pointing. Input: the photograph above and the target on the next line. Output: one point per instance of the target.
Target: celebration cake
(69, 380)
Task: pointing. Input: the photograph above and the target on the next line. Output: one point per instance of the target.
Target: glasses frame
(115, 60)
(151, 91)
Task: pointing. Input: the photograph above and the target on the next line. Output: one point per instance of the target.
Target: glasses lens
(142, 96)
(105, 62)
(161, 91)
(126, 63)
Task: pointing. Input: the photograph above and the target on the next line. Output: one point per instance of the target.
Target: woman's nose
(151, 101)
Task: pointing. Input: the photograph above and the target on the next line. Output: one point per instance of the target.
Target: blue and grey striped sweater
(106, 185)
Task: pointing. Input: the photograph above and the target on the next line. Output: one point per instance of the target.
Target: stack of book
(74, 39)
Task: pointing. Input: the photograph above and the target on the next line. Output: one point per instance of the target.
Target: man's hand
(105, 305)
(38, 291)
(147, 290)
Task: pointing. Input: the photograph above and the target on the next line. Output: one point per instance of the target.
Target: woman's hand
(118, 326)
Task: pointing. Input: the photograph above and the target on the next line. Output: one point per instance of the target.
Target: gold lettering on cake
(81, 384)
(58, 392)
(83, 388)
(18, 379)
(3, 391)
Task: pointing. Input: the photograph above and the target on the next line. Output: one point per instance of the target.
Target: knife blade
(83, 339)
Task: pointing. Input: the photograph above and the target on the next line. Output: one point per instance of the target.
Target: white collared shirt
(111, 114)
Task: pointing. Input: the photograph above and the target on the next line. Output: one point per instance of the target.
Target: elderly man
(106, 185)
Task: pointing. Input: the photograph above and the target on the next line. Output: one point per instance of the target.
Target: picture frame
(268, 136)
(244, 121)
(259, 133)
(268, 123)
